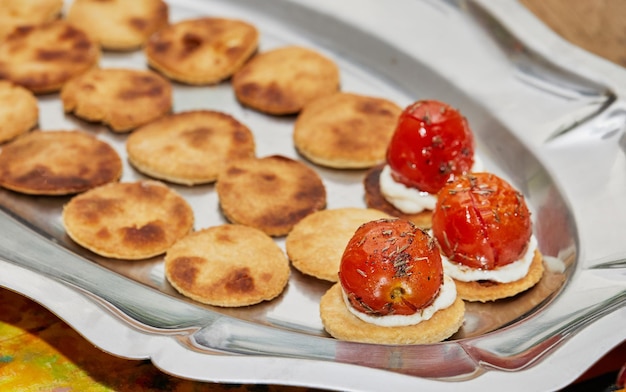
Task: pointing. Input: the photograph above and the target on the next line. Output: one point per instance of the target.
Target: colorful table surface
(39, 352)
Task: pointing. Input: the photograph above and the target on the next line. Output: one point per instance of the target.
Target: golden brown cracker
(375, 199)
(485, 291)
(227, 265)
(272, 193)
(189, 147)
(345, 130)
(316, 243)
(202, 51)
(14, 13)
(19, 111)
(44, 57)
(123, 99)
(283, 80)
(57, 163)
(119, 24)
(343, 325)
(131, 221)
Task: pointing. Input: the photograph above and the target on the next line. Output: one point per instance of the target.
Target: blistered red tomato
(432, 144)
(391, 267)
(481, 221)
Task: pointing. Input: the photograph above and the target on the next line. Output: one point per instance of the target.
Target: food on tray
(389, 283)
(123, 99)
(128, 220)
(227, 265)
(283, 80)
(44, 57)
(272, 193)
(345, 130)
(483, 227)
(392, 288)
(316, 243)
(57, 163)
(119, 24)
(202, 51)
(19, 110)
(14, 13)
(432, 144)
(189, 147)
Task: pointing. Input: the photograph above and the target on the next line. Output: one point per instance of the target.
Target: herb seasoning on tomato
(481, 221)
(391, 267)
(431, 145)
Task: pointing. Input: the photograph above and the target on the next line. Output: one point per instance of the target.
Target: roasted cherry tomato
(391, 267)
(481, 221)
(432, 144)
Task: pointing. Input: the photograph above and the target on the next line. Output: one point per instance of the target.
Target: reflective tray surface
(547, 116)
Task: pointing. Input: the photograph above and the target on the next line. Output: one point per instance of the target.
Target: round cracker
(202, 51)
(271, 193)
(485, 291)
(44, 57)
(346, 131)
(57, 163)
(316, 243)
(19, 112)
(190, 147)
(123, 99)
(282, 81)
(130, 221)
(119, 24)
(227, 265)
(375, 199)
(343, 325)
(14, 13)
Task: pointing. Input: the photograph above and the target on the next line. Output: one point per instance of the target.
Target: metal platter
(547, 116)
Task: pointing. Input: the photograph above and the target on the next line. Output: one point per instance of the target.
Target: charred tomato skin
(390, 266)
(481, 221)
(432, 144)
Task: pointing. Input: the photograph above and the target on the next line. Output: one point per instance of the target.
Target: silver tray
(548, 116)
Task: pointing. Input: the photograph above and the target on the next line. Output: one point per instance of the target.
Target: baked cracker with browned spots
(19, 110)
(123, 99)
(119, 24)
(14, 13)
(44, 57)
(375, 199)
(272, 193)
(486, 291)
(227, 265)
(316, 243)
(202, 51)
(343, 325)
(282, 81)
(345, 130)
(57, 163)
(131, 221)
(189, 147)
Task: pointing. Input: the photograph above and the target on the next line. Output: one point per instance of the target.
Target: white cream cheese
(505, 274)
(445, 298)
(411, 200)
(406, 199)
